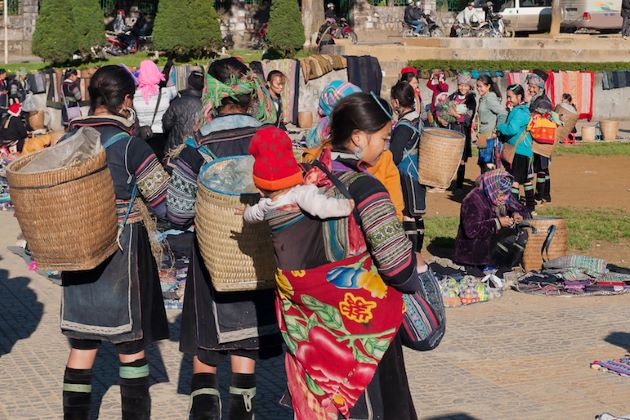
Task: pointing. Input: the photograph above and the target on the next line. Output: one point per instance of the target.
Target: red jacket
(436, 89)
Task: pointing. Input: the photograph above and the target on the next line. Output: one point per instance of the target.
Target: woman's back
(146, 108)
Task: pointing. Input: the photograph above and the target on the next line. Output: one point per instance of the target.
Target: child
(13, 131)
(567, 100)
(404, 147)
(276, 80)
(279, 178)
(516, 129)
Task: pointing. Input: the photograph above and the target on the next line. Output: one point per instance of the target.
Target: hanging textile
(616, 79)
(365, 72)
(579, 85)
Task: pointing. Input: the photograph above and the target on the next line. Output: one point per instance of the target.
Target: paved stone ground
(518, 357)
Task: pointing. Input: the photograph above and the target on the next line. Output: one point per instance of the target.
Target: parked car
(591, 14)
(527, 15)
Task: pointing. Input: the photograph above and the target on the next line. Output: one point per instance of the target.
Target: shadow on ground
(621, 339)
(454, 416)
(442, 247)
(18, 302)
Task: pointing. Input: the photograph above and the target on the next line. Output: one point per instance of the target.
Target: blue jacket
(516, 124)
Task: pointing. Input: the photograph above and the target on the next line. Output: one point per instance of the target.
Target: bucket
(67, 214)
(238, 256)
(609, 128)
(534, 250)
(440, 153)
(588, 134)
(569, 117)
(37, 120)
(305, 119)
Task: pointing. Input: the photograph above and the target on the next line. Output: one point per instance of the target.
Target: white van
(591, 14)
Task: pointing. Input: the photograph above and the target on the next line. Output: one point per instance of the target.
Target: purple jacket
(478, 224)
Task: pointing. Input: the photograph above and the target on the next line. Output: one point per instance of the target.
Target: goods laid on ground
(609, 128)
(549, 241)
(569, 117)
(440, 153)
(618, 366)
(238, 256)
(458, 290)
(64, 202)
(576, 275)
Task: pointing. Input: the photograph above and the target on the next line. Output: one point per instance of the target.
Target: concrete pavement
(515, 358)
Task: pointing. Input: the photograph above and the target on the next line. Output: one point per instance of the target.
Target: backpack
(542, 129)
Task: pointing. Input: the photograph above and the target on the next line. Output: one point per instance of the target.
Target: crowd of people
(347, 228)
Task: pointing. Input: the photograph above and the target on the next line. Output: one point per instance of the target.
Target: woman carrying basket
(240, 325)
(120, 300)
(340, 281)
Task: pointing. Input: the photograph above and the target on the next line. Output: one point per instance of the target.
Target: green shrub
(186, 28)
(54, 39)
(88, 24)
(286, 31)
(507, 65)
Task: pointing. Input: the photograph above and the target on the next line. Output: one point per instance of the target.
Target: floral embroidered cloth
(337, 321)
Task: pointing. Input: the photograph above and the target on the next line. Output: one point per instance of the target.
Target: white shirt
(306, 197)
(144, 111)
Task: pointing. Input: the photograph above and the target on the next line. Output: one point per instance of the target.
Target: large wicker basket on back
(238, 256)
(440, 152)
(534, 250)
(67, 215)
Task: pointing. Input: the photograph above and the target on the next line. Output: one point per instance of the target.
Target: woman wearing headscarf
(488, 213)
(318, 139)
(240, 325)
(540, 102)
(151, 102)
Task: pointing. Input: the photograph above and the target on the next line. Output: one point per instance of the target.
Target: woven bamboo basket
(532, 256)
(305, 119)
(588, 134)
(67, 215)
(541, 149)
(610, 128)
(238, 256)
(569, 117)
(440, 152)
(36, 120)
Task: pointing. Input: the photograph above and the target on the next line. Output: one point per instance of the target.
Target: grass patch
(506, 65)
(594, 149)
(585, 226)
(589, 225)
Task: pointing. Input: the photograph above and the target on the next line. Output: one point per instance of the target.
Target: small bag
(72, 112)
(482, 139)
(424, 323)
(146, 132)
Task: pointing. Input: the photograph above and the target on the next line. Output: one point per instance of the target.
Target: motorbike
(345, 31)
(124, 43)
(430, 29)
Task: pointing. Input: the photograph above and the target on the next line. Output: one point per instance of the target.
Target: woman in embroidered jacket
(340, 281)
(119, 301)
(215, 325)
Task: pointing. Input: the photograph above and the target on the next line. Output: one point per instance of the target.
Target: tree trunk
(556, 18)
(312, 17)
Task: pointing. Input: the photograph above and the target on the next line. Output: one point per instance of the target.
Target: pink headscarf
(149, 78)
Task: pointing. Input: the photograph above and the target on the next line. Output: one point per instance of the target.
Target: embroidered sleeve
(391, 250)
(151, 178)
(182, 190)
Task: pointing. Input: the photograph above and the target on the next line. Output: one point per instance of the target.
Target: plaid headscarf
(331, 95)
(497, 186)
(535, 79)
(464, 78)
(215, 91)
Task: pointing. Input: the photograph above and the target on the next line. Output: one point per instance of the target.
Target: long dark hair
(359, 111)
(404, 93)
(109, 87)
(488, 81)
(518, 90)
(224, 70)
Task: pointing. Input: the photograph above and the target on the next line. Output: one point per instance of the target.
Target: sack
(73, 112)
(542, 130)
(424, 323)
(509, 150)
(28, 104)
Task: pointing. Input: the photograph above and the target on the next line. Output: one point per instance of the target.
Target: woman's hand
(506, 221)
(518, 218)
(239, 210)
(452, 112)
(442, 121)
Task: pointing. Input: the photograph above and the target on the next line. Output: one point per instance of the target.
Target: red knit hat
(15, 109)
(406, 70)
(275, 167)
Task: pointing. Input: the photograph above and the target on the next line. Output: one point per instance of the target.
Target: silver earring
(358, 152)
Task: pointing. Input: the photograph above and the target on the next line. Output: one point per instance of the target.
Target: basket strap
(115, 139)
(551, 232)
(340, 186)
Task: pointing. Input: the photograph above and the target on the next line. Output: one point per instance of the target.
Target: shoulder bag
(509, 150)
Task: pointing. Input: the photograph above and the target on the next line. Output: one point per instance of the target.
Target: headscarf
(496, 185)
(464, 78)
(535, 79)
(330, 97)
(215, 91)
(149, 79)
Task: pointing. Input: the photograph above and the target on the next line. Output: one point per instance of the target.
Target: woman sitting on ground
(489, 215)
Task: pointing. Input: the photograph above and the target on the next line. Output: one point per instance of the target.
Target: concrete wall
(242, 21)
(20, 29)
(375, 19)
